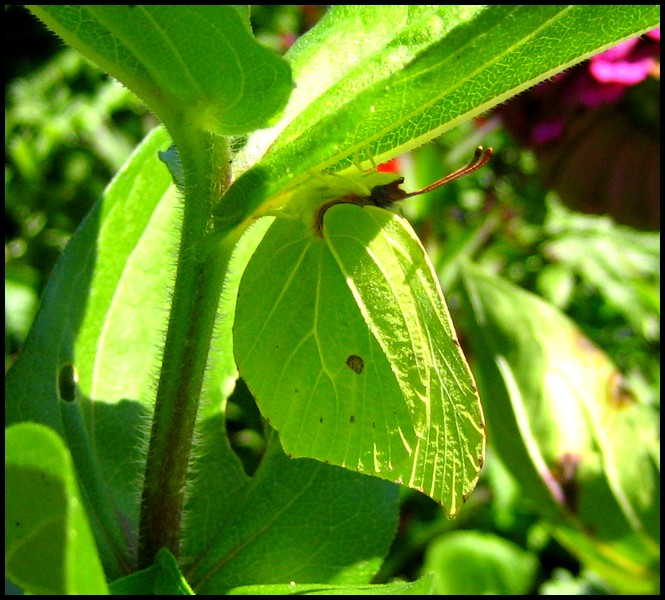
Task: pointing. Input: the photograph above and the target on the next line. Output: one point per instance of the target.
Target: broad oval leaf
(345, 340)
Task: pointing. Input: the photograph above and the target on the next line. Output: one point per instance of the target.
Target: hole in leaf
(67, 380)
(244, 427)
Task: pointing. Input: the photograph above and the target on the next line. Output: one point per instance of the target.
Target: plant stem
(199, 279)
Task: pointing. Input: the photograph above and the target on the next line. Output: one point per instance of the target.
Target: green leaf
(344, 338)
(375, 81)
(317, 523)
(162, 578)
(96, 322)
(200, 63)
(565, 425)
(475, 563)
(422, 587)
(49, 547)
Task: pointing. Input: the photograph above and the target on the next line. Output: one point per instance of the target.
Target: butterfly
(343, 336)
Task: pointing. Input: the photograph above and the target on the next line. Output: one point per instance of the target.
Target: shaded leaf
(162, 578)
(621, 263)
(317, 523)
(564, 423)
(49, 547)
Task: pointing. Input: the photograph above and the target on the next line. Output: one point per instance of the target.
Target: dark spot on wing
(355, 363)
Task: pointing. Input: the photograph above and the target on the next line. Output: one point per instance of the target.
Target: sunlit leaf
(374, 82)
(200, 61)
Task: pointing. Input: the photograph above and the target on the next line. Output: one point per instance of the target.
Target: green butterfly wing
(347, 345)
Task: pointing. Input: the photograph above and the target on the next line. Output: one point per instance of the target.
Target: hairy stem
(199, 278)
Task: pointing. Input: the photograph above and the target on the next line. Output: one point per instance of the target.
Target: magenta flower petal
(654, 34)
(623, 72)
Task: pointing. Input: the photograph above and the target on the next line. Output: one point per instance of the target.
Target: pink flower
(597, 145)
(626, 63)
(654, 34)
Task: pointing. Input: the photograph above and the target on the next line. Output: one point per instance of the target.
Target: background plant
(464, 242)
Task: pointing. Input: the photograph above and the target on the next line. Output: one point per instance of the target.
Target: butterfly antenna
(480, 158)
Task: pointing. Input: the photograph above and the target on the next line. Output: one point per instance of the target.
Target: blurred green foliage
(68, 129)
